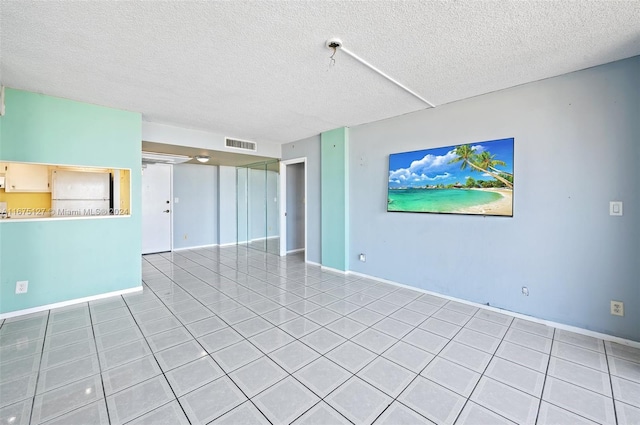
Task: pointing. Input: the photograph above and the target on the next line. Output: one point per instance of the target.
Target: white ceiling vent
(163, 158)
(240, 144)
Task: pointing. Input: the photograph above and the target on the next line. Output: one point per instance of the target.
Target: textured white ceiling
(260, 70)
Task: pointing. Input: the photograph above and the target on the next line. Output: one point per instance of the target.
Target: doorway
(293, 206)
(156, 208)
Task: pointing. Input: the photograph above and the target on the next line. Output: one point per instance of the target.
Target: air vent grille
(240, 144)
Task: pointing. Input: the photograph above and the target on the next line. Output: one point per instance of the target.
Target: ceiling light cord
(337, 44)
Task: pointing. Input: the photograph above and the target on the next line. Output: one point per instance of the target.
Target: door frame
(283, 204)
(171, 200)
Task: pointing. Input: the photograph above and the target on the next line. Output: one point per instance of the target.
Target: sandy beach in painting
(503, 206)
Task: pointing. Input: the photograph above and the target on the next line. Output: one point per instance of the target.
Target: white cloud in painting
(478, 149)
(421, 168)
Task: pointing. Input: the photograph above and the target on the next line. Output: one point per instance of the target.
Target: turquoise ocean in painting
(437, 200)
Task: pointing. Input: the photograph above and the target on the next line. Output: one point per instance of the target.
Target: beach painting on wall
(473, 178)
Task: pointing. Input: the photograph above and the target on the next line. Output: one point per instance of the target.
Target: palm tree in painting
(488, 162)
(466, 154)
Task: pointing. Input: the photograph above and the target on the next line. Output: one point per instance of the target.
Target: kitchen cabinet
(26, 177)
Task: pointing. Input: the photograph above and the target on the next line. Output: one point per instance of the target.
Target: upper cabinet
(26, 177)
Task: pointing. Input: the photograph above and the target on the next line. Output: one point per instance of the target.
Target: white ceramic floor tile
(387, 376)
(519, 377)
(156, 326)
(322, 340)
(625, 369)
(409, 317)
(322, 376)
(492, 316)
(582, 402)
(486, 327)
(94, 413)
(68, 353)
(358, 401)
(67, 338)
(524, 356)
(440, 327)
(626, 391)
(211, 401)
(625, 352)
(583, 341)
(422, 307)
(257, 376)
(138, 400)
(20, 389)
(466, 356)
(20, 367)
(285, 401)
(528, 340)
(16, 414)
(532, 327)
(553, 415)
(351, 356)
(179, 355)
(506, 401)
(246, 413)
(293, 356)
(452, 316)
(193, 375)
(426, 340)
(299, 327)
(18, 351)
(323, 316)
(65, 399)
(236, 356)
(220, 339)
(374, 340)
(408, 356)
(168, 339)
(118, 338)
(129, 374)
(365, 316)
(393, 327)
(452, 376)
(346, 327)
(399, 414)
(321, 414)
(123, 354)
(627, 415)
(169, 414)
(432, 401)
(271, 340)
(477, 340)
(67, 373)
(581, 356)
(582, 376)
(473, 414)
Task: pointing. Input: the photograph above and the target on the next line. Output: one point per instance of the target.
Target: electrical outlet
(525, 291)
(22, 286)
(362, 258)
(617, 308)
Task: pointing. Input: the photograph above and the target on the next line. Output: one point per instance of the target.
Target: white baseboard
(293, 251)
(331, 269)
(68, 303)
(313, 263)
(195, 247)
(582, 331)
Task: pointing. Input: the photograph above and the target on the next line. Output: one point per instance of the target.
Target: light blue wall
(310, 148)
(196, 214)
(69, 259)
(295, 206)
(576, 149)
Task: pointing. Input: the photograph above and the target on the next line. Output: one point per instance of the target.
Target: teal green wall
(334, 166)
(69, 259)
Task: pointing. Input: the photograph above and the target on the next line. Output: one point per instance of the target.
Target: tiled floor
(236, 336)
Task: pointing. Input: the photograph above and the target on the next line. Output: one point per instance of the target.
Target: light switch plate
(615, 208)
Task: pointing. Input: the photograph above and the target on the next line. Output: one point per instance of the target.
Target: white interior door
(293, 206)
(156, 208)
